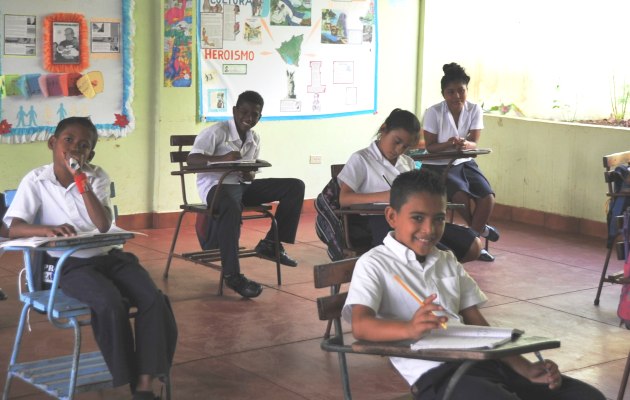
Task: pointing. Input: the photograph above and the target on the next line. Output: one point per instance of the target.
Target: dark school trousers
(110, 285)
(225, 230)
(493, 380)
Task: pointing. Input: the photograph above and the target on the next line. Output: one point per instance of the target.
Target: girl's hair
(401, 119)
(453, 72)
(85, 122)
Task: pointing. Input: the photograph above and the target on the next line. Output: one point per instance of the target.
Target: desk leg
(456, 377)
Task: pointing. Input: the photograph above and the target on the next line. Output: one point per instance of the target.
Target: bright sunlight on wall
(554, 59)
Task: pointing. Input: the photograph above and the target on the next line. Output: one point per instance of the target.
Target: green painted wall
(550, 166)
(139, 163)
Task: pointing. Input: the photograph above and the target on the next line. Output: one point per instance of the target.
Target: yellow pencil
(415, 296)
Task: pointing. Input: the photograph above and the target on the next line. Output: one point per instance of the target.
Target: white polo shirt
(41, 199)
(373, 285)
(365, 169)
(217, 140)
(439, 120)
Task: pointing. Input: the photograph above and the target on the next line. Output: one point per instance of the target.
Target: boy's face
(75, 142)
(246, 116)
(420, 222)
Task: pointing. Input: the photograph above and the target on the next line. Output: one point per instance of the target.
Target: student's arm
(347, 196)
(365, 325)
(100, 215)
(535, 372)
(20, 228)
(454, 143)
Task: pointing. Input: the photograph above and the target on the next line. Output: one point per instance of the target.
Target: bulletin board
(307, 58)
(65, 58)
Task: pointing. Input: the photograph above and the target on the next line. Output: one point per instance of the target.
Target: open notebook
(466, 337)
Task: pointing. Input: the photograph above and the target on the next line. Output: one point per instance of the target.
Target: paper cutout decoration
(42, 85)
(5, 127)
(91, 83)
(52, 82)
(32, 82)
(48, 48)
(28, 85)
(69, 84)
(11, 82)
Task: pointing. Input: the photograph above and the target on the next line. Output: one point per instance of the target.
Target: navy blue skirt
(465, 177)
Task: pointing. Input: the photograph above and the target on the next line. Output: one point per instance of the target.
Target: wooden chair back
(334, 275)
(179, 157)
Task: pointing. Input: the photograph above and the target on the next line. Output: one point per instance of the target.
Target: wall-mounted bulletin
(308, 58)
(65, 58)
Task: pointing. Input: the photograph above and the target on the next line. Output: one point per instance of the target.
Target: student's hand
(546, 372)
(232, 156)
(74, 162)
(247, 176)
(60, 230)
(425, 319)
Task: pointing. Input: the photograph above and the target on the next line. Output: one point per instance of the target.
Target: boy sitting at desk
(380, 310)
(235, 140)
(70, 196)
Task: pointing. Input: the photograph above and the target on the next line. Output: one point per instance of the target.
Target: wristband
(82, 183)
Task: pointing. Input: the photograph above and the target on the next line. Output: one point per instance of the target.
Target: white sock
(485, 231)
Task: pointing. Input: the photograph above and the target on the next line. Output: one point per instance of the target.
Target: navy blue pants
(224, 231)
(493, 380)
(110, 285)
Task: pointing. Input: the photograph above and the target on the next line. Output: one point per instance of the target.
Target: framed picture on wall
(65, 43)
(66, 48)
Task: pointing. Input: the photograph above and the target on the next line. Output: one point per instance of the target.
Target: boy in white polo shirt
(231, 140)
(380, 310)
(70, 196)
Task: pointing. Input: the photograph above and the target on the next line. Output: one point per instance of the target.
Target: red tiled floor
(268, 348)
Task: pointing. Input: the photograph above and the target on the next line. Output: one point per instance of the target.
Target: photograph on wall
(290, 12)
(105, 37)
(65, 44)
(20, 35)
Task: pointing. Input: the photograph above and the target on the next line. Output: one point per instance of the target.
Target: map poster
(307, 58)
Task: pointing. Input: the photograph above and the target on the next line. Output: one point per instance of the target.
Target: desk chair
(617, 178)
(335, 274)
(60, 377)
(356, 233)
(209, 258)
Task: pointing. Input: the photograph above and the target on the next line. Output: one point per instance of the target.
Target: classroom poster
(178, 43)
(307, 58)
(60, 59)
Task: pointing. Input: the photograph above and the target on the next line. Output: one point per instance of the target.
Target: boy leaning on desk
(381, 310)
(71, 196)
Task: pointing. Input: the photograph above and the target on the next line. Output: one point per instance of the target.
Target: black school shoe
(266, 249)
(493, 233)
(243, 286)
(485, 256)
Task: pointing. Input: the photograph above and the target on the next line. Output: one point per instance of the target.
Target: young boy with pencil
(71, 196)
(381, 309)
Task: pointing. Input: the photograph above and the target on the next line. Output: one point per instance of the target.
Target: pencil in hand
(415, 296)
